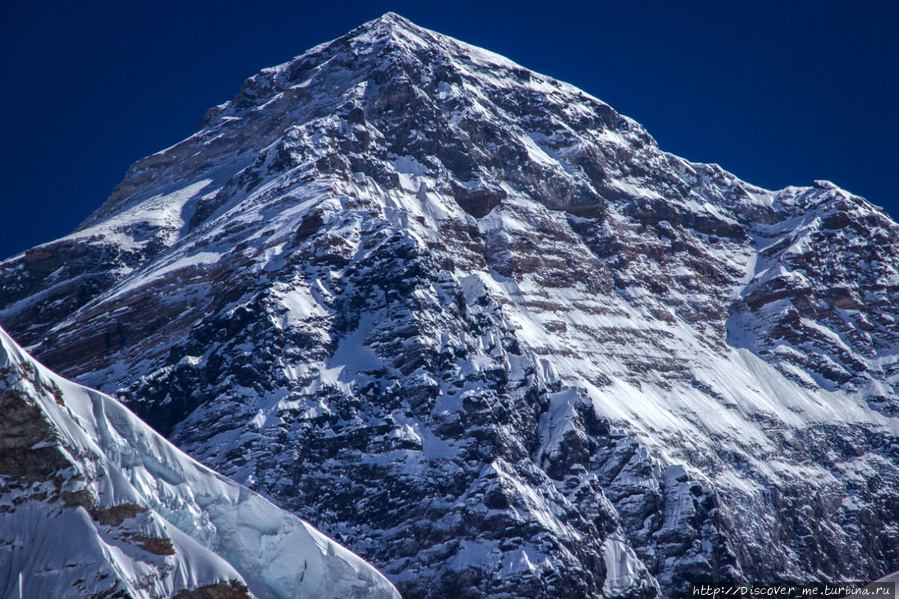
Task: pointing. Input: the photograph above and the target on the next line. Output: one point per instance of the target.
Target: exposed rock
(225, 590)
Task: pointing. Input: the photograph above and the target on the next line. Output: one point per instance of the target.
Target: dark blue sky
(779, 93)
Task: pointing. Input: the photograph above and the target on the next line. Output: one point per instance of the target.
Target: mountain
(94, 503)
(475, 325)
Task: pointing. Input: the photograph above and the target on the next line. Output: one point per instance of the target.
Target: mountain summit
(477, 326)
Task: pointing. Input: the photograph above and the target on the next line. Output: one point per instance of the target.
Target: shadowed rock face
(476, 325)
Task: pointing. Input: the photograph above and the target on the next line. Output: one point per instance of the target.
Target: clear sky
(779, 93)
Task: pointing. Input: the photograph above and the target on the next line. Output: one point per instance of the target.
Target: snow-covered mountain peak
(392, 25)
(400, 279)
(361, 86)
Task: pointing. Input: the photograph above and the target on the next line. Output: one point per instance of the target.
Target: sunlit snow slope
(477, 326)
(93, 503)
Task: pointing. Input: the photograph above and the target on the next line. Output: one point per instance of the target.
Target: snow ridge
(129, 513)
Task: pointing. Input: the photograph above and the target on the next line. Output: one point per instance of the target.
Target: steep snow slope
(94, 503)
(476, 325)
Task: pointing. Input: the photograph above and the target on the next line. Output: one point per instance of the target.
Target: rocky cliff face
(475, 324)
